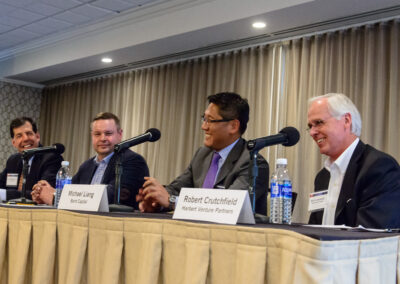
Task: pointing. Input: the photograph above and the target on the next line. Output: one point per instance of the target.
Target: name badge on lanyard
(317, 200)
(12, 180)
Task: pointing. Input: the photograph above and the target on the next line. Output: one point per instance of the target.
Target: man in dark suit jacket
(106, 133)
(224, 122)
(42, 166)
(134, 169)
(365, 188)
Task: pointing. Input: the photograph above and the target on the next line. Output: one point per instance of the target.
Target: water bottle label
(287, 189)
(61, 182)
(275, 190)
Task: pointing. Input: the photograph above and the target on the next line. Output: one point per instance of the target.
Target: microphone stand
(253, 174)
(25, 171)
(117, 207)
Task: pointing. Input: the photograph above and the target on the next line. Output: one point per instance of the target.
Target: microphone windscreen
(293, 135)
(155, 134)
(59, 148)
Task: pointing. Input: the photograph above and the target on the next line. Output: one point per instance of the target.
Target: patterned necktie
(21, 181)
(212, 172)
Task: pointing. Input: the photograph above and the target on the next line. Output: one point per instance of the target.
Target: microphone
(288, 136)
(57, 147)
(151, 135)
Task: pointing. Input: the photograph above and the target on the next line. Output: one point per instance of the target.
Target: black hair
(232, 106)
(19, 121)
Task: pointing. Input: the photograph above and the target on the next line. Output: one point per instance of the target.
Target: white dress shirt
(337, 171)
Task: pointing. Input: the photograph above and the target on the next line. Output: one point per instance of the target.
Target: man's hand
(152, 196)
(43, 193)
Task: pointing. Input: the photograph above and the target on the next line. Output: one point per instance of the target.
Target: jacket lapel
(347, 191)
(233, 156)
(110, 170)
(89, 173)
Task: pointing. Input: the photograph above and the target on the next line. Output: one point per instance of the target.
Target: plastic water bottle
(63, 178)
(276, 196)
(281, 194)
(286, 185)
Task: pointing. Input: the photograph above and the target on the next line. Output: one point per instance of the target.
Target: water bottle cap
(64, 163)
(281, 161)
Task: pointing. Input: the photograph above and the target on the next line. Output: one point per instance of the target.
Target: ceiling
(49, 41)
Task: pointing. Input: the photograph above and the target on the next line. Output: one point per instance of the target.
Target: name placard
(3, 194)
(214, 205)
(317, 200)
(84, 197)
(12, 180)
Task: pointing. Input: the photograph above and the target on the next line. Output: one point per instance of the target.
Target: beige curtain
(277, 79)
(171, 97)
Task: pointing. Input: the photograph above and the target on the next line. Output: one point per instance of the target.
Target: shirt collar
(344, 159)
(105, 160)
(225, 152)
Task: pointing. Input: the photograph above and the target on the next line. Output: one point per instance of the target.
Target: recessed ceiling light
(259, 25)
(106, 60)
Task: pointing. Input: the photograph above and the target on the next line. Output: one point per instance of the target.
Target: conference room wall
(277, 79)
(15, 101)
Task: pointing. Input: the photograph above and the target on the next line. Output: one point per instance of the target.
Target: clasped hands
(43, 193)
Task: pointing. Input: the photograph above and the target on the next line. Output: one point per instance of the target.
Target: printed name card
(317, 200)
(3, 194)
(214, 205)
(12, 180)
(84, 197)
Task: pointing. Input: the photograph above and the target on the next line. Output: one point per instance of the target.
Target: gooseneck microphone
(288, 136)
(151, 135)
(57, 148)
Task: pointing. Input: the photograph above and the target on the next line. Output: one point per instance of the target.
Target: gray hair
(338, 105)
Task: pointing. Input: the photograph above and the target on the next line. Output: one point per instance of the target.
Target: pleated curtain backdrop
(277, 79)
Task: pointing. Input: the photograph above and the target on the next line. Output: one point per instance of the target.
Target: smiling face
(332, 135)
(105, 135)
(218, 135)
(25, 138)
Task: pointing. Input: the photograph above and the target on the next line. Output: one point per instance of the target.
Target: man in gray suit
(222, 163)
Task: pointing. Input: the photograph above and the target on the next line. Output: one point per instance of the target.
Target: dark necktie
(212, 172)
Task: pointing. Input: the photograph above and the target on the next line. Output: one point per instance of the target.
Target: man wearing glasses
(362, 183)
(222, 163)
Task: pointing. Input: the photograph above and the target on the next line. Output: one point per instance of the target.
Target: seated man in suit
(106, 132)
(363, 183)
(222, 163)
(42, 166)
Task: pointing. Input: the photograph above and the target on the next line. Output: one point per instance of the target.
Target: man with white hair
(362, 183)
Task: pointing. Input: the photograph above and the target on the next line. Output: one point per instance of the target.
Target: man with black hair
(42, 166)
(222, 163)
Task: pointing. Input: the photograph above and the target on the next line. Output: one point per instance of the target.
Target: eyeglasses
(208, 121)
(316, 125)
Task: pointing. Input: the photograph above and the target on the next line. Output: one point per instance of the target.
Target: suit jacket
(134, 169)
(370, 193)
(44, 167)
(234, 173)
